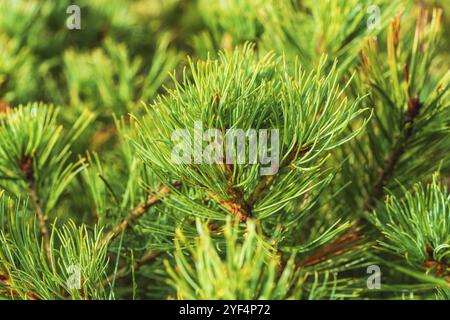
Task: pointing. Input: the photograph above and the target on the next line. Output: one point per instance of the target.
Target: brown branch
(140, 210)
(4, 279)
(385, 174)
(235, 205)
(4, 106)
(440, 267)
(346, 242)
(242, 209)
(11, 292)
(388, 169)
(42, 220)
(5, 282)
(349, 240)
(134, 215)
(26, 166)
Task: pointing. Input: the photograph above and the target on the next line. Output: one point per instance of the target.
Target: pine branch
(288, 235)
(397, 151)
(440, 266)
(350, 239)
(387, 171)
(346, 242)
(140, 210)
(237, 264)
(235, 205)
(5, 282)
(42, 220)
(26, 166)
(416, 227)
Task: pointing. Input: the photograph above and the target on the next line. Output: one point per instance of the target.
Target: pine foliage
(93, 205)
